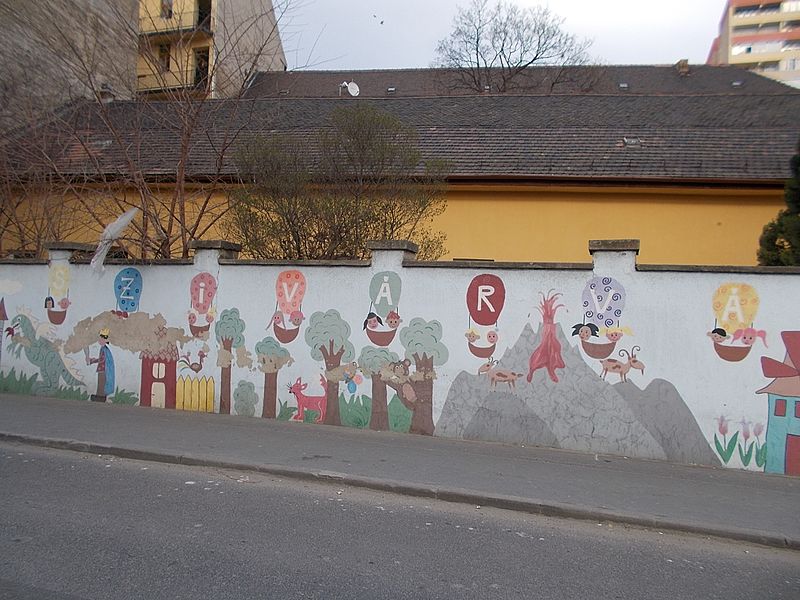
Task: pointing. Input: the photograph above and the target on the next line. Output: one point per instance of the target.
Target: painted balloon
(290, 288)
(735, 306)
(128, 289)
(486, 296)
(58, 280)
(603, 301)
(202, 289)
(384, 291)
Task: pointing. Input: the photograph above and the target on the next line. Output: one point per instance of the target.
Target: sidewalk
(721, 502)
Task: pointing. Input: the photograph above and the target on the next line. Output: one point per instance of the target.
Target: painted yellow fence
(195, 394)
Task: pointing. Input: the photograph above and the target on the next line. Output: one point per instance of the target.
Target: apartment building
(762, 37)
(205, 46)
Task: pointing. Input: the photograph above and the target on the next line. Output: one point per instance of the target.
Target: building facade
(677, 156)
(205, 46)
(762, 37)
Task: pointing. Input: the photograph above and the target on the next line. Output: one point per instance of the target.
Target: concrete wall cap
(614, 246)
(405, 245)
(215, 245)
(69, 246)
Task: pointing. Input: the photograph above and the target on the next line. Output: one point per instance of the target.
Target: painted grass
(355, 412)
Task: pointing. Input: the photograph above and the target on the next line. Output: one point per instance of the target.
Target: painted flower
(722, 425)
(758, 429)
(745, 429)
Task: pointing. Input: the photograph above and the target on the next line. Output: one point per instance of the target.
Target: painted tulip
(745, 429)
(758, 429)
(722, 425)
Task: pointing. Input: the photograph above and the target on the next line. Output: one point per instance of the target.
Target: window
(159, 370)
(797, 409)
(201, 68)
(166, 9)
(780, 407)
(790, 6)
(163, 57)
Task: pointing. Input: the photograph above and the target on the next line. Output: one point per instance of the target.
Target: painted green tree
(229, 330)
(423, 343)
(779, 244)
(373, 363)
(245, 399)
(271, 358)
(328, 335)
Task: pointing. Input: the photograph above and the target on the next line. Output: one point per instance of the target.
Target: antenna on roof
(352, 88)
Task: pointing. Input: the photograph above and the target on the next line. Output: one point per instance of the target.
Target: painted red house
(159, 377)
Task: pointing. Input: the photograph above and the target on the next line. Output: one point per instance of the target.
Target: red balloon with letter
(486, 296)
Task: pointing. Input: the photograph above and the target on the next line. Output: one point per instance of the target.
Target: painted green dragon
(41, 353)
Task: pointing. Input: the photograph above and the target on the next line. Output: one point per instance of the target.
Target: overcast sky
(348, 34)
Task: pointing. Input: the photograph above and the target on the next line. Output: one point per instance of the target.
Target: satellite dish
(353, 88)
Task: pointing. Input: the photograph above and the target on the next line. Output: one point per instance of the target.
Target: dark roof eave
(494, 179)
(616, 181)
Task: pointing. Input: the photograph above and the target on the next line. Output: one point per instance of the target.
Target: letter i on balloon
(202, 312)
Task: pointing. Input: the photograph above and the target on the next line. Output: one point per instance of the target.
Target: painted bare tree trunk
(225, 382)
(332, 400)
(379, 420)
(333, 360)
(270, 395)
(422, 418)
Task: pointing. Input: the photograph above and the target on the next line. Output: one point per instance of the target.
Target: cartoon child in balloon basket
(585, 331)
(296, 318)
(372, 321)
(105, 367)
(718, 335)
(393, 319)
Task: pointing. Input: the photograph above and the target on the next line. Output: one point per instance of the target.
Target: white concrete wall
(670, 411)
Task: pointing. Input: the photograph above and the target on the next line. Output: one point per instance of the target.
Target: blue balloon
(128, 289)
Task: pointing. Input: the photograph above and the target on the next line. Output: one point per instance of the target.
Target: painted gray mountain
(580, 412)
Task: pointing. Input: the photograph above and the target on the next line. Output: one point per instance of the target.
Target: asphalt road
(77, 526)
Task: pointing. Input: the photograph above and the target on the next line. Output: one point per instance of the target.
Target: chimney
(106, 93)
(682, 67)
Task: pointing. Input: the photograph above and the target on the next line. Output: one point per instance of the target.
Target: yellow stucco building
(680, 157)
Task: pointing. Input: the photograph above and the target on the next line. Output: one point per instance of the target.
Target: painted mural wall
(691, 367)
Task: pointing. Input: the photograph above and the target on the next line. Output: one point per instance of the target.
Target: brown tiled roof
(724, 138)
(602, 80)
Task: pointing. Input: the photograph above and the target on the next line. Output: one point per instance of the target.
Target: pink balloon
(290, 289)
(202, 290)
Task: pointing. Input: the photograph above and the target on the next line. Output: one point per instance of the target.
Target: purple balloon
(603, 301)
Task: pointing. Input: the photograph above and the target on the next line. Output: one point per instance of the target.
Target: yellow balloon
(735, 305)
(58, 281)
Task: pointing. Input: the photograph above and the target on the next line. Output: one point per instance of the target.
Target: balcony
(762, 17)
(188, 80)
(183, 23)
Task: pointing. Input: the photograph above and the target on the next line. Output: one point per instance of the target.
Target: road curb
(457, 495)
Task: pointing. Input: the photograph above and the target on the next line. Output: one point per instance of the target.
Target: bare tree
(106, 157)
(325, 196)
(491, 45)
